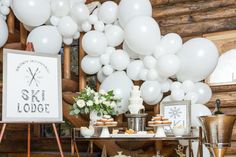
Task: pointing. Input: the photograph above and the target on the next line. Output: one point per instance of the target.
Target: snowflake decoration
(175, 112)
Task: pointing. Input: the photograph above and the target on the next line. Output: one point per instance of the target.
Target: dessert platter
(159, 122)
(130, 133)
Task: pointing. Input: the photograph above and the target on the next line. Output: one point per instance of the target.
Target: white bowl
(87, 132)
(179, 131)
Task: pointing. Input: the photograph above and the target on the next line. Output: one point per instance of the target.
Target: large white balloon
(192, 96)
(131, 53)
(204, 92)
(129, 9)
(67, 27)
(198, 59)
(119, 60)
(90, 65)
(79, 12)
(32, 12)
(122, 86)
(108, 12)
(60, 8)
(197, 111)
(134, 68)
(3, 32)
(171, 42)
(155, 102)
(94, 43)
(168, 65)
(115, 35)
(177, 94)
(150, 91)
(46, 39)
(142, 34)
(187, 85)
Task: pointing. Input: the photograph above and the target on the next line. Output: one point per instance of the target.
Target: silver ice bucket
(136, 122)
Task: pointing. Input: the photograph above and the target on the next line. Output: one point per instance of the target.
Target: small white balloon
(119, 60)
(79, 12)
(143, 74)
(86, 26)
(165, 86)
(67, 27)
(4, 10)
(60, 8)
(94, 43)
(159, 51)
(115, 35)
(188, 85)
(192, 96)
(6, 2)
(76, 35)
(152, 75)
(204, 92)
(100, 76)
(110, 50)
(105, 59)
(177, 94)
(54, 20)
(107, 70)
(175, 85)
(149, 62)
(131, 53)
(172, 43)
(29, 28)
(67, 41)
(108, 12)
(167, 99)
(93, 19)
(134, 68)
(99, 26)
(150, 91)
(3, 32)
(90, 65)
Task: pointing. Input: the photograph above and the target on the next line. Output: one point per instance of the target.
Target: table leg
(28, 142)
(190, 148)
(2, 131)
(58, 139)
(72, 147)
(76, 149)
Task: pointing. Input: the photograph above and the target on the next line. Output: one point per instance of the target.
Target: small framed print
(178, 112)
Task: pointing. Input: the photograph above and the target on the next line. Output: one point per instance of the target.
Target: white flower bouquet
(88, 100)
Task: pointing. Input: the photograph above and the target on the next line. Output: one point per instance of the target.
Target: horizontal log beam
(190, 7)
(200, 28)
(227, 99)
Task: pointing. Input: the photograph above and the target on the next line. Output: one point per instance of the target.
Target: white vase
(94, 116)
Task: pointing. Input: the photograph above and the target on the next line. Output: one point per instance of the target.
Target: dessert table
(76, 138)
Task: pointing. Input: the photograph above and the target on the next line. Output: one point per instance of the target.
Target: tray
(132, 135)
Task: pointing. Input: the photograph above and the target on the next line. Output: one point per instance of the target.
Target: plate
(132, 135)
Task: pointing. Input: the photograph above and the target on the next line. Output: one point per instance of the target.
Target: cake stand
(105, 131)
(160, 131)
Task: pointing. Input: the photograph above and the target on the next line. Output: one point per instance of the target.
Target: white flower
(102, 92)
(107, 103)
(102, 100)
(96, 100)
(113, 104)
(89, 103)
(80, 103)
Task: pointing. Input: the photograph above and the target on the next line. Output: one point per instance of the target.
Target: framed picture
(178, 112)
(31, 87)
(225, 72)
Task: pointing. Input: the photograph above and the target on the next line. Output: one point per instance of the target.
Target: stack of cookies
(158, 119)
(106, 121)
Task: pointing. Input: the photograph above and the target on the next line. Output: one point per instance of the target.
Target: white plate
(132, 135)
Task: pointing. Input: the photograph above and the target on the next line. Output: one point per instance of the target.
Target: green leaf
(72, 113)
(86, 110)
(76, 111)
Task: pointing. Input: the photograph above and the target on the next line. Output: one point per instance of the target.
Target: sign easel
(39, 89)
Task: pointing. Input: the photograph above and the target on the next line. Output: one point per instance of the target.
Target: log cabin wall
(189, 18)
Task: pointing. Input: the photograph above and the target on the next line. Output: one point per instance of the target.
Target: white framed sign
(178, 112)
(31, 87)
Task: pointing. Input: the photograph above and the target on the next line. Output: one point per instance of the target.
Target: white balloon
(110, 50)
(205, 150)
(79, 12)
(187, 85)
(175, 85)
(7, 2)
(159, 51)
(3, 32)
(86, 26)
(131, 53)
(177, 94)
(4, 10)
(93, 19)
(115, 35)
(46, 39)
(73, 2)
(198, 57)
(76, 35)
(67, 41)
(94, 43)
(67, 27)
(149, 62)
(204, 92)
(150, 90)
(197, 111)
(142, 34)
(107, 70)
(192, 96)
(167, 99)
(119, 60)
(32, 12)
(105, 59)
(60, 8)
(155, 102)
(108, 12)
(152, 75)
(172, 43)
(90, 65)
(29, 28)
(165, 86)
(100, 76)
(122, 86)
(133, 69)
(143, 74)
(99, 26)
(168, 65)
(54, 20)
(129, 9)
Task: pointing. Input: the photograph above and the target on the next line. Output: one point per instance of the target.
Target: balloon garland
(145, 54)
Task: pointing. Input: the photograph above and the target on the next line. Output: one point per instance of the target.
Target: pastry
(151, 123)
(130, 131)
(158, 122)
(156, 118)
(99, 123)
(110, 120)
(166, 122)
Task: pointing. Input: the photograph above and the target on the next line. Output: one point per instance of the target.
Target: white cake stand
(105, 131)
(160, 132)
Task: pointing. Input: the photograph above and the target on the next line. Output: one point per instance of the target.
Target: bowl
(87, 132)
(178, 132)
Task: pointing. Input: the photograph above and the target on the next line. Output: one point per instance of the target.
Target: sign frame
(5, 118)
